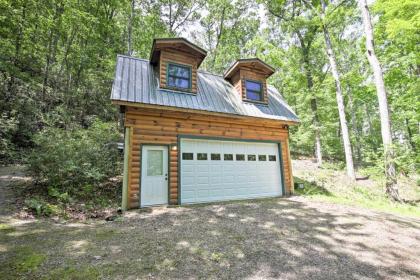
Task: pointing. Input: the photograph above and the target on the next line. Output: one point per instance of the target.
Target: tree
(303, 27)
(390, 172)
(339, 93)
(225, 26)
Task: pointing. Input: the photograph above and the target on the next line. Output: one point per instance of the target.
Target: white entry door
(154, 176)
(214, 170)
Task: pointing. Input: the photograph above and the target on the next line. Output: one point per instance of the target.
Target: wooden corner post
(124, 204)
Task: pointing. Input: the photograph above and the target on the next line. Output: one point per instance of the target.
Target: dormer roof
(254, 63)
(180, 44)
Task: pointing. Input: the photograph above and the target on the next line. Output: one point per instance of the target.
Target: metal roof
(136, 81)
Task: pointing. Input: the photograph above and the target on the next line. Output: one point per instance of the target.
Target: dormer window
(176, 61)
(178, 76)
(254, 90)
(249, 78)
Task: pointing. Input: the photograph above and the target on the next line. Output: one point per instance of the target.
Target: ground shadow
(266, 239)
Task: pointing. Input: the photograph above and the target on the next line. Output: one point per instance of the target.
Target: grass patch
(25, 260)
(5, 228)
(74, 273)
(331, 185)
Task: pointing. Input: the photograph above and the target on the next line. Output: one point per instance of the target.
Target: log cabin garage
(193, 136)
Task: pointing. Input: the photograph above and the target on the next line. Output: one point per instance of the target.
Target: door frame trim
(198, 137)
(141, 166)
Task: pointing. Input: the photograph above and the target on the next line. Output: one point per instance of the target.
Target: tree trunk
(219, 36)
(410, 135)
(314, 106)
(355, 129)
(339, 95)
(390, 172)
(130, 30)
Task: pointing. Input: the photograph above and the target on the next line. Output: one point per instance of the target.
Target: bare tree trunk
(339, 96)
(130, 29)
(390, 172)
(355, 129)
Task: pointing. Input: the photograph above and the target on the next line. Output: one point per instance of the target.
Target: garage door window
(201, 156)
(187, 156)
(215, 156)
(262, 158)
(228, 157)
(272, 158)
(252, 158)
(240, 157)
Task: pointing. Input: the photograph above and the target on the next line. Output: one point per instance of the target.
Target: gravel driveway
(286, 238)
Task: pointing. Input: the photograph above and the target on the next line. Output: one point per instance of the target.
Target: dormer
(177, 61)
(249, 77)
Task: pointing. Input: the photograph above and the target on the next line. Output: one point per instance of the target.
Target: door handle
(166, 177)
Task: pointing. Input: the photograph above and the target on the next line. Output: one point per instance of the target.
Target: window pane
(254, 86)
(253, 90)
(262, 157)
(215, 156)
(240, 157)
(178, 82)
(202, 156)
(154, 162)
(272, 158)
(252, 95)
(178, 71)
(178, 76)
(228, 157)
(187, 156)
(251, 157)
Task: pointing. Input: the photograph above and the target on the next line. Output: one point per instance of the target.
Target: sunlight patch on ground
(3, 248)
(77, 247)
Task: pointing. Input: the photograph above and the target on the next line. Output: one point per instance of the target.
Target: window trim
(179, 65)
(261, 92)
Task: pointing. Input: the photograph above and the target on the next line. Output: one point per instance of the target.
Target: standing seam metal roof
(136, 81)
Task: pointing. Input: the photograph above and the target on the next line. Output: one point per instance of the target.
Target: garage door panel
(216, 179)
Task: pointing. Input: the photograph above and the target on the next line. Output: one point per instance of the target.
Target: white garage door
(214, 170)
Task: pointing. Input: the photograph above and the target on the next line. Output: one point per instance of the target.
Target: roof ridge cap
(132, 57)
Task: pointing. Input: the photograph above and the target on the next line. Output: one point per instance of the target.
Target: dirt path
(9, 175)
(282, 238)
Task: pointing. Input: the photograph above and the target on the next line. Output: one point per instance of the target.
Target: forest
(349, 69)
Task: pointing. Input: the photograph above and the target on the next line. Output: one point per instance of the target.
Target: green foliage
(8, 127)
(41, 208)
(70, 160)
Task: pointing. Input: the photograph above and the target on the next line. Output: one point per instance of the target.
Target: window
(262, 157)
(272, 158)
(215, 156)
(251, 158)
(154, 162)
(187, 156)
(201, 156)
(228, 157)
(178, 76)
(253, 90)
(240, 157)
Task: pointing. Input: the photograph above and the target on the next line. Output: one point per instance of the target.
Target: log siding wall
(151, 126)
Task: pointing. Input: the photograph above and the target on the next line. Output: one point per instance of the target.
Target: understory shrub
(69, 160)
